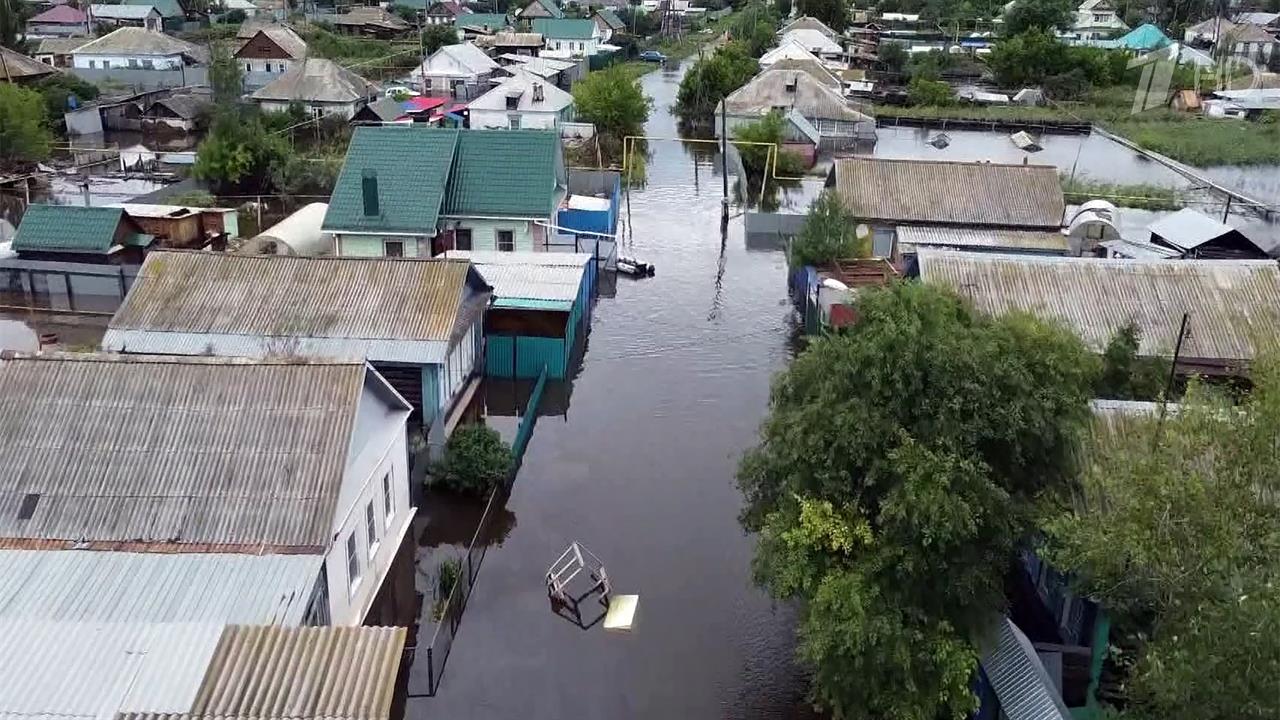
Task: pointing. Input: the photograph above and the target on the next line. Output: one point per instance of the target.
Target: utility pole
(724, 162)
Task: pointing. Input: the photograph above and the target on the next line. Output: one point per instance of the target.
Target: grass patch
(1202, 142)
(1139, 195)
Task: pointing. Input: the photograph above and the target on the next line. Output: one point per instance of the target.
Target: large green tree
(238, 154)
(1176, 532)
(833, 13)
(612, 100)
(24, 133)
(711, 79)
(899, 468)
(1049, 15)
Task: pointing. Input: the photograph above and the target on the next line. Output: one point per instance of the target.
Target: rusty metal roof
(951, 193)
(1232, 304)
(173, 451)
(264, 305)
(309, 673)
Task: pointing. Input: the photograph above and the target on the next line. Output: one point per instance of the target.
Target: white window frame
(371, 530)
(497, 240)
(353, 563)
(388, 499)
(387, 244)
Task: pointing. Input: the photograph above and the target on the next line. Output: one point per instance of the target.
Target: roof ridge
(303, 258)
(915, 161)
(144, 359)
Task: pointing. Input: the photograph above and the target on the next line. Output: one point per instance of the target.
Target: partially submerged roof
(386, 309)
(562, 28)
(411, 165)
(138, 41)
(950, 193)
(780, 88)
(17, 67)
(68, 229)
(911, 237)
(138, 451)
(317, 80)
(96, 586)
(1233, 304)
(531, 280)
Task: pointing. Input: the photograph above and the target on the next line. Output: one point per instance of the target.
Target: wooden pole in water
(724, 162)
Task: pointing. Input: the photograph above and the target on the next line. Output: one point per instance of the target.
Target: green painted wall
(372, 245)
(484, 233)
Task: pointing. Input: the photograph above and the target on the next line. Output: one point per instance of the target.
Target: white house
(461, 71)
(569, 37)
(268, 53)
(136, 48)
(1097, 20)
(788, 51)
(522, 101)
(815, 41)
(322, 87)
(198, 455)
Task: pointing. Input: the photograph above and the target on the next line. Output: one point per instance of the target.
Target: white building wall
(501, 119)
(258, 65)
(382, 455)
(345, 110)
(158, 62)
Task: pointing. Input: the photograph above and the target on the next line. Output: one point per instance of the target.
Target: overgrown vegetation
(61, 90)
(476, 461)
(24, 134)
(447, 574)
(1127, 376)
(1177, 534)
(611, 99)
(1135, 195)
(890, 490)
(829, 233)
(755, 158)
(932, 93)
(711, 79)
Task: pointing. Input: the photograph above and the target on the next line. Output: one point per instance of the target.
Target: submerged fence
(469, 566)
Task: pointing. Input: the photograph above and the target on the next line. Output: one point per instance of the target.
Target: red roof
(60, 14)
(421, 104)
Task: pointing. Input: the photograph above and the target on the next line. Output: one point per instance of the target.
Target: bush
(58, 91)
(24, 137)
(829, 233)
(755, 158)
(934, 93)
(476, 460)
(1070, 85)
(447, 574)
(711, 79)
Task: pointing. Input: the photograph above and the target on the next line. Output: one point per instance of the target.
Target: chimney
(537, 92)
(369, 186)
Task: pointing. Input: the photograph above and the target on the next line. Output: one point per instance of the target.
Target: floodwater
(638, 465)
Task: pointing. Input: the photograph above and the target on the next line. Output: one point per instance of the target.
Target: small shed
(1185, 101)
(1197, 235)
(72, 233)
(180, 226)
(176, 113)
(541, 307)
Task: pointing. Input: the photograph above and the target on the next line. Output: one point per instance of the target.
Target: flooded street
(639, 468)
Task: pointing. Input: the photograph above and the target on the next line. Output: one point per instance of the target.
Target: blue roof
(1143, 38)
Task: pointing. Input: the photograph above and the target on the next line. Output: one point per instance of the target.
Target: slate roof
(373, 16)
(60, 46)
(121, 12)
(60, 14)
(317, 80)
(611, 18)
(504, 173)
(167, 8)
(521, 82)
(469, 57)
(951, 193)
(18, 67)
(68, 228)
(1189, 229)
(284, 38)
(549, 5)
(136, 450)
(186, 107)
(808, 23)
(769, 91)
(385, 110)
(911, 237)
(565, 28)
(139, 41)
(412, 167)
(487, 21)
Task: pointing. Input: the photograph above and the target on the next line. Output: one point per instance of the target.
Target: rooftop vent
(791, 83)
(537, 92)
(369, 189)
(28, 507)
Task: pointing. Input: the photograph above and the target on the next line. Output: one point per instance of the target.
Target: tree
(1027, 59)
(829, 233)
(711, 79)
(933, 93)
(59, 89)
(833, 13)
(755, 158)
(435, 37)
(13, 20)
(892, 57)
(1042, 15)
(898, 470)
(226, 81)
(238, 154)
(612, 100)
(1176, 532)
(476, 460)
(784, 8)
(24, 134)
(1125, 376)
(754, 28)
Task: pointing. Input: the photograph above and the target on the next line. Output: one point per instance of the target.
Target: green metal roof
(565, 28)
(167, 8)
(411, 165)
(488, 21)
(504, 173)
(551, 7)
(68, 228)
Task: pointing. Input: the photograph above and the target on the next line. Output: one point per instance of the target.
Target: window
(248, 67)
(149, 64)
(133, 62)
(513, 121)
(317, 112)
(582, 47)
(93, 64)
(388, 500)
(393, 248)
(371, 529)
(462, 239)
(428, 84)
(506, 240)
(353, 562)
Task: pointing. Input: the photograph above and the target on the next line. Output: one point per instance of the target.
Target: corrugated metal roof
(1189, 229)
(776, 88)
(271, 673)
(316, 79)
(355, 300)
(522, 257)
(93, 586)
(64, 670)
(68, 228)
(1232, 303)
(505, 173)
(956, 193)
(105, 448)
(533, 282)
(1019, 679)
(913, 236)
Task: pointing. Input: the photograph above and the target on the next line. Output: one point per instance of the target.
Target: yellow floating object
(622, 612)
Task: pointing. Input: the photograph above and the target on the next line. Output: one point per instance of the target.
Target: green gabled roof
(68, 228)
(550, 6)
(504, 173)
(565, 28)
(611, 18)
(167, 8)
(412, 167)
(488, 21)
